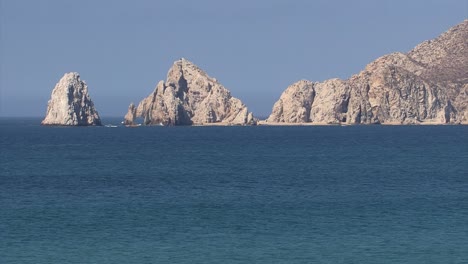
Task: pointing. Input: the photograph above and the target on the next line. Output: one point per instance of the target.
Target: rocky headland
(428, 85)
(189, 97)
(70, 104)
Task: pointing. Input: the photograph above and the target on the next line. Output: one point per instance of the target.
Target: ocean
(305, 194)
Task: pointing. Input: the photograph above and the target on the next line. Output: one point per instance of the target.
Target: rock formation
(429, 84)
(189, 97)
(70, 104)
(295, 103)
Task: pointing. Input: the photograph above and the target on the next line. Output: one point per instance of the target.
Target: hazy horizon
(255, 50)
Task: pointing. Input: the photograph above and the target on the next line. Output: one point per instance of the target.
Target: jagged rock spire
(189, 96)
(70, 104)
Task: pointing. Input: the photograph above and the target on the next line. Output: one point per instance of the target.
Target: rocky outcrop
(70, 104)
(429, 84)
(334, 97)
(295, 103)
(130, 117)
(189, 97)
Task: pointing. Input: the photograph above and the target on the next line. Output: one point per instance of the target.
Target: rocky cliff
(189, 97)
(70, 104)
(429, 84)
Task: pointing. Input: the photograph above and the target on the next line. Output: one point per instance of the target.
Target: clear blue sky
(254, 48)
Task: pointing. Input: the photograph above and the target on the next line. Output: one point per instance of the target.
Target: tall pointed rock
(70, 104)
(189, 97)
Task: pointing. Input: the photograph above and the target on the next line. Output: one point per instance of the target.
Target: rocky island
(189, 97)
(428, 85)
(70, 104)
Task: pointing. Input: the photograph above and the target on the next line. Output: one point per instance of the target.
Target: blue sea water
(355, 194)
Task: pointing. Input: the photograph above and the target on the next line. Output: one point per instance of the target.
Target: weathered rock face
(333, 96)
(130, 117)
(295, 103)
(70, 104)
(429, 84)
(189, 96)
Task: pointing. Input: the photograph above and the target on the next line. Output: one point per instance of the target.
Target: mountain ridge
(426, 85)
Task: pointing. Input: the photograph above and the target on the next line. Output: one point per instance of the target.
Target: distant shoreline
(116, 120)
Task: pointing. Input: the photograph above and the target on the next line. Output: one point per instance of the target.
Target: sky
(255, 48)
